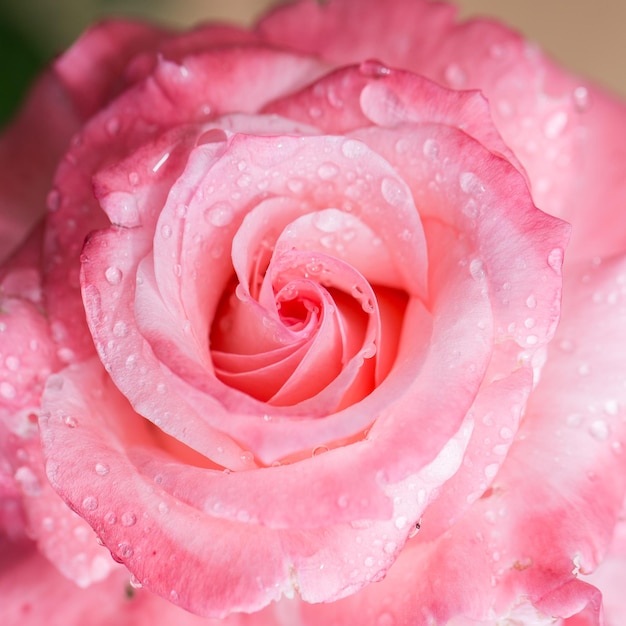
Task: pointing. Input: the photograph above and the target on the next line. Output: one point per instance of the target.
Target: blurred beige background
(588, 36)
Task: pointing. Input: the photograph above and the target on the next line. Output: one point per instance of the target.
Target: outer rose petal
(547, 517)
(610, 576)
(554, 122)
(167, 96)
(34, 593)
(76, 86)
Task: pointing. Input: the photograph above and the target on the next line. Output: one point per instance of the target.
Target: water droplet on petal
(555, 259)
(90, 503)
(70, 421)
(135, 583)
(470, 183)
(374, 68)
(128, 519)
(319, 450)
(393, 191)
(477, 269)
(113, 275)
(220, 214)
(112, 126)
(7, 390)
(386, 619)
(415, 528)
(352, 149)
(581, 98)
(455, 76)
(53, 201)
(166, 231)
(431, 149)
(28, 481)
(327, 171)
(555, 124)
(599, 430)
(102, 469)
(120, 329)
(125, 550)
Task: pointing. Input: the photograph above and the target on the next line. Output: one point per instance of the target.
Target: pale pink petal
(555, 123)
(34, 593)
(30, 148)
(610, 575)
(256, 563)
(165, 98)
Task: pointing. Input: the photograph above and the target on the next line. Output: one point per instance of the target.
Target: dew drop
(166, 231)
(12, 363)
(611, 407)
(342, 501)
(477, 269)
(455, 76)
(247, 457)
(102, 469)
(125, 550)
(374, 68)
(135, 583)
(555, 259)
(386, 619)
(120, 329)
(431, 149)
(353, 149)
(599, 430)
(506, 433)
(415, 528)
(555, 124)
(491, 470)
(7, 390)
(319, 450)
(581, 98)
(128, 519)
(574, 420)
(113, 275)
(90, 503)
(112, 126)
(327, 171)
(470, 183)
(328, 221)
(53, 201)
(28, 481)
(213, 135)
(393, 192)
(220, 214)
(295, 185)
(70, 421)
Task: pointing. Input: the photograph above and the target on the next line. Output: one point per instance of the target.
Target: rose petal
(569, 126)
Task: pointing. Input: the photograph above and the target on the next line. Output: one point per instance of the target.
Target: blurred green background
(586, 36)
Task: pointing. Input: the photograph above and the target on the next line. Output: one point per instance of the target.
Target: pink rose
(285, 342)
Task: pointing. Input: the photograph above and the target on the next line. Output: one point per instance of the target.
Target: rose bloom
(317, 323)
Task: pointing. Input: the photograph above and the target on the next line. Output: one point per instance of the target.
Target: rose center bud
(292, 336)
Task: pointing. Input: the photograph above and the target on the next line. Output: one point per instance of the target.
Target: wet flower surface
(313, 321)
